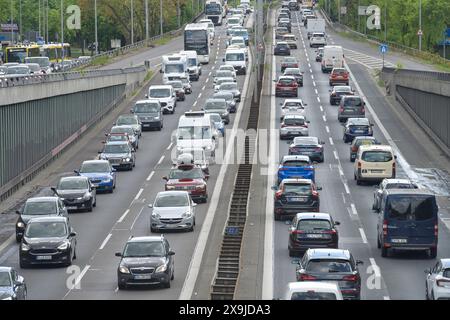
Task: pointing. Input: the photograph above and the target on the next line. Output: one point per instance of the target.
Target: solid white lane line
(341, 172)
(150, 176)
(136, 219)
(347, 190)
(331, 141)
(363, 235)
(139, 194)
(327, 128)
(105, 241)
(352, 205)
(170, 146)
(161, 160)
(123, 216)
(336, 155)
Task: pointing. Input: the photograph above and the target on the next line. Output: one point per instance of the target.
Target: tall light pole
(132, 22)
(20, 20)
(46, 21)
(146, 21)
(96, 27)
(12, 22)
(39, 16)
(62, 30)
(420, 25)
(178, 14)
(161, 16)
(385, 21)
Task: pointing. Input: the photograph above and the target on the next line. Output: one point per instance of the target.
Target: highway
(124, 213)
(401, 276)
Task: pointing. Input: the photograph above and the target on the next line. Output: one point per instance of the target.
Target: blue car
(299, 167)
(100, 173)
(357, 127)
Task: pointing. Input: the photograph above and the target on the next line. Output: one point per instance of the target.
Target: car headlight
(127, 160)
(209, 148)
(224, 114)
(64, 246)
(123, 269)
(87, 196)
(162, 268)
(156, 118)
(107, 180)
(155, 215)
(25, 247)
(187, 214)
(20, 225)
(200, 187)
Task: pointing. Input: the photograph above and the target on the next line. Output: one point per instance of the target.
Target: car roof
(49, 219)
(74, 178)
(376, 147)
(174, 192)
(117, 143)
(445, 263)
(328, 254)
(312, 285)
(293, 100)
(406, 181)
(294, 116)
(146, 239)
(291, 69)
(160, 87)
(95, 161)
(42, 199)
(361, 121)
(408, 192)
(147, 101)
(282, 42)
(287, 77)
(306, 140)
(365, 138)
(216, 100)
(5, 269)
(296, 180)
(313, 215)
(292, 158)
(342, 88)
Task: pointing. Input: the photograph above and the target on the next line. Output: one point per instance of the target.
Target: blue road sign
(447, 32)
(383, 48)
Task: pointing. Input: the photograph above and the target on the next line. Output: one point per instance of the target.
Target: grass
(100, 61)
(162, 41)
(149, 75)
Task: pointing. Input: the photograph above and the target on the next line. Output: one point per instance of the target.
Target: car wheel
(358, 182)
(384, 252)
(90, 208)
(432, 296)
(433, 253)
(95, 202)
(173, 275)
(292, 253)
(426, 291)
(153, 230)
(122, 286)
(277, 217)
(18, 239)
(69, 263)
(75, 253)
(166, 285)
(23, 265)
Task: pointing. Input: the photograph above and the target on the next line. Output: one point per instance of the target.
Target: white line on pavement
(123, 216)
(321, 108)
(139, 194)
(331, 141)
(336, 155)
(317, 92)
(194, 104)
(314, 83)
(161, 160)
(376, 269)
(363, 235)
(207, 80)
(170, 146)
(77, 280)
(341, 172)
(327, 128)
(352, 205)
(347, 190)
(386, 298)
(105, 241)
(324, 118)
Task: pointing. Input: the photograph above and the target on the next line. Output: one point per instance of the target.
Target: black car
(146, 261)
(77, 193)
(282, 49)
(312, 230)
(48, 240)
(338, 92)
(295, 195)
(12, 285)
(308, 146)
(334, 265)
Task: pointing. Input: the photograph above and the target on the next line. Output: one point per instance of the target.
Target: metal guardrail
(423, 75)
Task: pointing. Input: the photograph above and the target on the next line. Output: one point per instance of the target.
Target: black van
(408, 220)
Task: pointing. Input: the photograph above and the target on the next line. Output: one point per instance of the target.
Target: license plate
(314, 236)
(376, 171)
(399, 240)
(72, 208)
(293, 132)
(146, 125)
(44, 258)
(359, 131)
(95, 185)
(143, 276)
(297, 199)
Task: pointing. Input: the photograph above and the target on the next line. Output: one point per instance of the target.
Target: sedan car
(145, 261)
(172, 210)
(77, 193)
(308, 146)
(286, 86)
(48, 240)
(310, 290)
(351, 107)
(299, 167)
(150, 114)
(289, 62)
(130, 120)
(38, 207)
(12, 285)
(338, 92)
(312, 230)
(295, 195)
(390, 184)
(319, 54)
(224, 74)
(100, 173)
(296, 73)
(357, 127)
(360, 141)
(219, 106)
(231, 87)
(285, 24)
(317, 39)
(229, 98)
(282, 49)
(339, 75)
(134, 136)
(219, 81)
(437, 282)
(333, 265)
(178, 87)
(120, 154)
(293, 125)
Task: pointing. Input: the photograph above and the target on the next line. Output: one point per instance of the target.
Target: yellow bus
(18, 53)
(54, 51)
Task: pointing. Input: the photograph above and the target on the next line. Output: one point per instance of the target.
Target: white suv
(166, 97)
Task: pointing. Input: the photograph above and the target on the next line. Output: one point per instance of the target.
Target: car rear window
(286, 81)
(364, 142)
(313, 225)
(377, 156)
(294, 121)
(313, 295)
(295, 163)
(297, 189)
(411, 207)
(328, 266)
(353, 101)
(401, 186)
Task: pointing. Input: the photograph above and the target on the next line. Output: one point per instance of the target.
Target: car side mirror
(428, 271)
(319, 188)
(54, 190)
(118, 254)
(305, 104)
(307, 121)
(223, 59)
(358, 262)
(150, 205)
(165, 178)
(274, 188)
(99, 152)
(73, 234)
(395, 157)
(161, 71)
(76, 172)
(337, 223)
(171, 253)
(194, 204)
(146, 96)
(131, 111)
(322, 142)
(114, 170)
(372, 125)
(18, 212)
(206, 176)
(296, 261)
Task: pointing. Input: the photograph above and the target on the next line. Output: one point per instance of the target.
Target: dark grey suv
(77, 193)
(351, 107)
(146, 261)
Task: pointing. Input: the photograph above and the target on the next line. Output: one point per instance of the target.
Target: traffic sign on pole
(383, 48)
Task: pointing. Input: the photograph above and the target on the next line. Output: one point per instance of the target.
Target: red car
(190, 178)
(286, 86)
(340, 76)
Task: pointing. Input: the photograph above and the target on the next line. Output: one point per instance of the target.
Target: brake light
(385, 227)
(353, 278)
(436, 229)
(315, 195)
(278, 194)
(354, 148)
(305, 126)
(318, 149)
(359, 165)
(332, 231)
(333, 94)
(283, 125)
(307, 277)
(442, 282)
(363, 110)
(341, 109)
(296, 232)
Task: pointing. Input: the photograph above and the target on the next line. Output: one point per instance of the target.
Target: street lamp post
(146, 21)
(385, 21)
(132, 22)
(20, 20)
(420, 25)
(12, 22)
(161, 16)
(62, 30)
(96, 27)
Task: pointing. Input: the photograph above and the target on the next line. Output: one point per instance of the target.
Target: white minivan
(374, 163)
(333, 57)
(237, 59)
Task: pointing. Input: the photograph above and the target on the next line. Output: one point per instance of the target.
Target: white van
(333, 57)
(211, 28)
(237, 59)
(166, 97)
(196, 130)
(174, 66)
(194, 68)
(374, 163)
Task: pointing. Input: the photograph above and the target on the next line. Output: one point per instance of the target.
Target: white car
(227, 67)
(211, 30)
(438, 281)
(239, 42)
(294, 125)
(317, 40)
(292, 106)
(312, 290)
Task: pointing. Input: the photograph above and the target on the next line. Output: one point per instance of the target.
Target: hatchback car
(292, 106)
(296, 73)
(317, 39)
(120, 154)
(12, 285)
(219, 106)
(38, 207)
(295, 195)
(178, 87)
(77, 193)
(101, 174)
(338, 92)
(285, 24)
(130, 120)
(437, 282)
(308, 146)
(172, 210)
(357, 127)
(351, 107)
(339, 75)
(282, 49)
(150, 114)
(312, 291)
(134, 136)
(229, 98)
(219, 81)
(299, 167)
(312, 230)
(390, 184)
(48, 240)
(224, 74)
(319, 54)
(146, 261)
(293, 125)
(289, 62)
(286, 86)
(332, 265)
(231, 87)
(358, 142)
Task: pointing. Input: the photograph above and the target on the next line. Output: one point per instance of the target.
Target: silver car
(231, 87)
(134, 137)
(219, 106)
(172, 210)
(120, 154)
(130, 120)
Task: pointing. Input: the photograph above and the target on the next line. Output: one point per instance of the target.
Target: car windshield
(364, 142)
(285, 81)
(72, 184)
(377, 156)
(353, 101)
(144, 249)
(313, 224)
(313, 295)
(5, 279)
(34, 67)
(328, 266)
(241, 33)
(282, 45)
(95, 167)
(224, 74)
(289, 60)
(294, 122)
(46, 230)
(234, 21)
(295, 163)
(235, 57)
(223, 95)
(297, 189)
(293, 104)
(211, 105)
(18, 70)
(117, 137)
(223, 80)
(178, 174)
(411, 208)
(159, 93)
(146, 108)
(228, 86)
(446, 273)
(194, 133)
(172, 200)
(40, 208)
(117, 148)
(127, 121)
(122, 129)
(174, 68)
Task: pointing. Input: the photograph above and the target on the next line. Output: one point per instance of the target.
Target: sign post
(383, 50)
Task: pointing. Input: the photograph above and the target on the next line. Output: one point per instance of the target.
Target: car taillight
(359, 165)
(363, 110)
(333, 94)
(307, 277)
(436, 229)
(353, 278)
(278, 194)
(341, 109)
(332, 231)
(283, 125)
(305, 125)
(385, 227)
(315, 195)
(296, 231)
(354, 148)
(318, 149)
(442, 282)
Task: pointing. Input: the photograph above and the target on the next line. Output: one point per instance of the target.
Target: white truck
(214, 11)
(333, 57)
(174, 66)
(315, 25)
